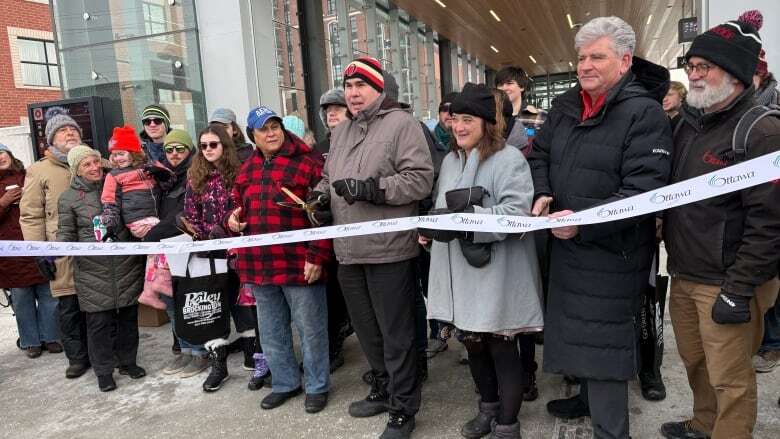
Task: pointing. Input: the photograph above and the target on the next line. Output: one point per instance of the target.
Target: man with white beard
(723, 251)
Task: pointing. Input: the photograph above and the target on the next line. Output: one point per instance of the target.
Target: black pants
(339, 324)
(423, 265)
(380, 300)
(527, 352)
(104, 345)
(608, 402)
(497, 370)
(73, 329)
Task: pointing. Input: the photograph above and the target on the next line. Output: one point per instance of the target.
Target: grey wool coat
(503, 296)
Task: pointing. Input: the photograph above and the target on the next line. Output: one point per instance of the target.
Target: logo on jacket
(717, 181)
(711, 159)
(661, 198)
(607, 213)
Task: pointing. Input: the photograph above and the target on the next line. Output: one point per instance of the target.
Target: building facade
(29, 70)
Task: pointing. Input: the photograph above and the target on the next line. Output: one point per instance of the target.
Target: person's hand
(11, 196)
(359, 190)
(321, 215)
(234, 221)
(565, 232)
(730, 309)
(311, 272)
(423, 241)
(541, 206)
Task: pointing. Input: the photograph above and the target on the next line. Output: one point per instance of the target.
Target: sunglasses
(178, 148)
(209, 145)
(155, 120)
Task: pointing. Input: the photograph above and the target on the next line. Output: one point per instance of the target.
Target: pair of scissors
(297, 202)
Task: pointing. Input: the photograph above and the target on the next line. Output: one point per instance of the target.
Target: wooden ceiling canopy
(540, 28)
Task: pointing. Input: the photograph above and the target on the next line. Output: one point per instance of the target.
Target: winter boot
(569, 408)
(681, 430)
(375, 403)
(260, 373)
(399, 426)
(531, 392)
(219, 371)
(106, 383)
(368, 377)
(480, 425)
(506, 431)
(249, 346)
(653, 388)
(134, 371)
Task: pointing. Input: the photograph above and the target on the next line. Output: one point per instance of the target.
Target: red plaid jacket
(257, 191)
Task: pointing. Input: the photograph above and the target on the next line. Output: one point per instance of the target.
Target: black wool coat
(597, 277)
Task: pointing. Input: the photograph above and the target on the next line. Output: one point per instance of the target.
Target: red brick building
(28, 59)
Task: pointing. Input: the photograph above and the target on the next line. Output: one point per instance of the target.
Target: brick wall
(31, 19)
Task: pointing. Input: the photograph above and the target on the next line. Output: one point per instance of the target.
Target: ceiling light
(493, 13)
(571, 23)
(571, 65)
(649, 19)
(532, 58)
(441, 3)
(494, 49)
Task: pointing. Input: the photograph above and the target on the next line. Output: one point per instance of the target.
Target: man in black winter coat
(723, 251)
(605, 140)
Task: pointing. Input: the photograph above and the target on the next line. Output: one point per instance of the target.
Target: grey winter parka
(102, 282)
(597, 277)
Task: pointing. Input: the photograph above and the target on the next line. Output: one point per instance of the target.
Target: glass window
(154, 18)
(330, 8)
(38, 61)
(289, 59)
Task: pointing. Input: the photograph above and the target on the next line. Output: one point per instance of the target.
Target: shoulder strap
(677, 127)
(745, 125)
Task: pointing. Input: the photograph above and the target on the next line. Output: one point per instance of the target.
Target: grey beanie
(334, 96)
(57, 121)
(391, 86)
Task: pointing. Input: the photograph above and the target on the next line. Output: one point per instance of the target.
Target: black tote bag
(202, 306)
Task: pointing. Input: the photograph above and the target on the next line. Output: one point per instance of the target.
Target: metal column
(413, 75)
(369, 12)
(430, 73)
(448, 79)
(344, 32)
(478, 70)
(395, 50)
(314, 57)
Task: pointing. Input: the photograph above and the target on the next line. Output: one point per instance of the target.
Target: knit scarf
(442, 138)
(59, 155)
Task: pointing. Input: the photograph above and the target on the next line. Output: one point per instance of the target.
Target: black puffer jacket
(171, 203)
(732, 240)
(102, 282)
(596, 278)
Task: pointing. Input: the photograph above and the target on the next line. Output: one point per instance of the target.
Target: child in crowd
(129, 193)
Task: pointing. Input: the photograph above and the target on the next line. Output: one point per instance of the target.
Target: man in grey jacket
(379, 167)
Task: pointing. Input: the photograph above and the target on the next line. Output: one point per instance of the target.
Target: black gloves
(731, 309)
(46, 267)
(319, 213)
(359, 190)
(444, 235)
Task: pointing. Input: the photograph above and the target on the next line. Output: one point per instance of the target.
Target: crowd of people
(625, 129)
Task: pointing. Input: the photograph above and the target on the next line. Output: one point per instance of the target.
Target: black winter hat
(733, 46)
(476, 100)
(447, 100)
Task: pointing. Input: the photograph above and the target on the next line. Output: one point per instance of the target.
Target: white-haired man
(723, 251)
(604, 140)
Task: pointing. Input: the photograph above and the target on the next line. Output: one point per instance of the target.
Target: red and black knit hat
(368, 69)
(756, 18)
(124, 139)
(733, 46)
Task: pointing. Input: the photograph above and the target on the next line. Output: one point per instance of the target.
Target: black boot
(175, 348)
(375, 403)
(336, 360)
(531, 392)
(219, 371)
(653, 388)
(569, 408)
(249, 346)
(480, 425)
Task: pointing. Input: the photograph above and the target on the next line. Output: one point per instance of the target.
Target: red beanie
(124, 139)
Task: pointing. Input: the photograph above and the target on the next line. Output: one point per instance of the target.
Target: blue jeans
(186, 348)
(36, 315)
(307, 307)
(772, 329)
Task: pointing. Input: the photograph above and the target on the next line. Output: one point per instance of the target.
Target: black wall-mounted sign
(687, 29)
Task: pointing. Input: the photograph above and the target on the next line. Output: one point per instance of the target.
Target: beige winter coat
(46, 180)
(383, 141)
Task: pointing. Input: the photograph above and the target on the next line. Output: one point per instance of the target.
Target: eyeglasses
(155, 120)
(178, 148)
(209, 145)
(702, 69)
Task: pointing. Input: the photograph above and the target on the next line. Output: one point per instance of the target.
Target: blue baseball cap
(259, 116)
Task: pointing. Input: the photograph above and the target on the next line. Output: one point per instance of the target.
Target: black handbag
(477, 255)
(202, 306)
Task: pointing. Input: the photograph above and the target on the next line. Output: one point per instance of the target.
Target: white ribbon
(733, 178)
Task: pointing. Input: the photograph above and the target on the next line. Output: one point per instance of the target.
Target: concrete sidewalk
(36, 401)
